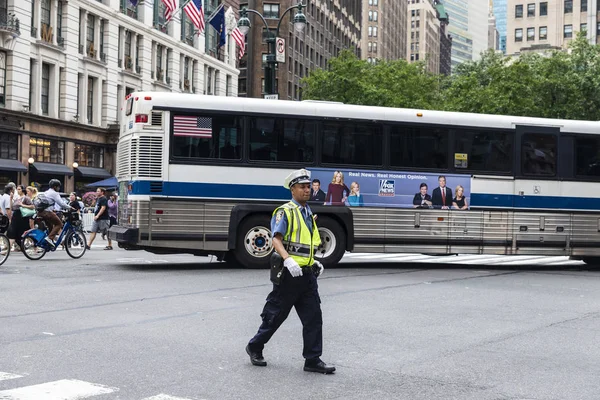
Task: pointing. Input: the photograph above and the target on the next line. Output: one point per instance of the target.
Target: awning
(49, 168)
(90, 172)
(12, 165)
(106, 183)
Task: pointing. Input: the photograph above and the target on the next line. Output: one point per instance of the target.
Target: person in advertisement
(422, 199)
(316, 194)
(442, 195)
(337, 191)
(295, 237)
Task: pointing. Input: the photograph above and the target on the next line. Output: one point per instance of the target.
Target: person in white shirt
(48, 214)
(9, 190)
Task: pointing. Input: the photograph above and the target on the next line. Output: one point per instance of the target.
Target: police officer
(295, 236)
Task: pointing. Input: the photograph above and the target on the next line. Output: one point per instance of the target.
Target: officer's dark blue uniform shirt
(279, 222)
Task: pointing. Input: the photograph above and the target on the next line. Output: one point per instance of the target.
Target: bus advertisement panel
(368, 188)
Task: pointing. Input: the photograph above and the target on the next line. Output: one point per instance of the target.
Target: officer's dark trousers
(303, 294)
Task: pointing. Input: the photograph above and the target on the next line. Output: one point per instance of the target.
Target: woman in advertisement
(355, 199)
(459, 202)
(337, 192)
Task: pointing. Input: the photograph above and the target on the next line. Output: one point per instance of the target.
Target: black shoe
(318, 366)
(256, 357)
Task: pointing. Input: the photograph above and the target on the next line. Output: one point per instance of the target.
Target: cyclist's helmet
(54, 183)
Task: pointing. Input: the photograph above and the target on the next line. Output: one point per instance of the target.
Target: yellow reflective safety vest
(298, 241)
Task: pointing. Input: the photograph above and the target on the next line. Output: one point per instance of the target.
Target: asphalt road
(132, 325)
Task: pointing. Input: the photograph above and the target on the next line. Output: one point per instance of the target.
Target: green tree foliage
(388, 84)
(560, 84)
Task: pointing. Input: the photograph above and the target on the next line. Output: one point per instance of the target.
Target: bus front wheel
(333, 241)
(254, 244)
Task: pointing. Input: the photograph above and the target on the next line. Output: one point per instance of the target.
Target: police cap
(298, 176)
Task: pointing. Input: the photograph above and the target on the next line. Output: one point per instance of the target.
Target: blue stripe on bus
(238, 191)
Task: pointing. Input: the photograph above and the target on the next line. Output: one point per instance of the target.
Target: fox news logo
(387, 187)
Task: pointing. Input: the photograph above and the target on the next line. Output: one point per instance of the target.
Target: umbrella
(106, 183)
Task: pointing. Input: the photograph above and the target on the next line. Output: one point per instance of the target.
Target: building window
(568, 6)
(543, 33)
(530, 34)
(128, 52)
(187, 30)
(375, 31)
(371, 15)
(518, 35)
(519, 11)
(89, 156)
(583, 27)
(90, 100)
(129, 9)
(45, 87)
(375, 47)
(568, 31)
(598, 27)
(531, 10)
(543, 8)
(271, 11)
(370, 46)
(2, 78)
(159, 15)
(91, 33)
(45, 16)
(47, 150)
(8, 146)
(375, 16)
(583, 5)
(59, 17)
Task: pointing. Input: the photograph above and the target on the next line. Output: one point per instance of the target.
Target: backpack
(41, 202)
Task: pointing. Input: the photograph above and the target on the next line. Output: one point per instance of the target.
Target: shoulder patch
(279, 216)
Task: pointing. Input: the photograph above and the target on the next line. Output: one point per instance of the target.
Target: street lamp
(244, 26)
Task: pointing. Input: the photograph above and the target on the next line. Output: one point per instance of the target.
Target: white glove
(293, 267)
(321, 268)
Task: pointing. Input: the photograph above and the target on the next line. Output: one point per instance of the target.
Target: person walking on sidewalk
(101, 220)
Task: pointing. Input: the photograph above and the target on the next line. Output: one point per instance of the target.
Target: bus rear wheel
(333, 241)
(254, 243)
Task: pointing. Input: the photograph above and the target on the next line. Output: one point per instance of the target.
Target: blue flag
(218, 22)
(134, 2)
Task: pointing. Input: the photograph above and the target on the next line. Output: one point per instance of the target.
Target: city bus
(203, 174)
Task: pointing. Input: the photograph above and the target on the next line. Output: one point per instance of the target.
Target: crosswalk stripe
(164, 397)
(469, 259)
(4, 376)
(65, 389)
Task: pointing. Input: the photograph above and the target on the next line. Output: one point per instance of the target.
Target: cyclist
(48, 214)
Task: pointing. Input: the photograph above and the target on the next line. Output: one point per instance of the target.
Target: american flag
(171, 6)
(197, 127)
(194, 10)
(239, 39)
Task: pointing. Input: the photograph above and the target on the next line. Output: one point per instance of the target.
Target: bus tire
(333, 241)
(254, 243)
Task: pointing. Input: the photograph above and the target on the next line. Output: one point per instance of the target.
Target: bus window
(207, 137)
(282, 139)
(352, 143)
(587, 156)
(485, 150)
(129, 106)
(419, 147)
(538, 154)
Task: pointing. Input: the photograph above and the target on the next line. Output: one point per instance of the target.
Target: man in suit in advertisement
(442, 195)
(316, 194)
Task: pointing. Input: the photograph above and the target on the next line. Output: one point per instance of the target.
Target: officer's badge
(279, 216)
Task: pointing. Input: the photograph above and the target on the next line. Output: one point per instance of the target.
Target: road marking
(164, 397)
(65, 389)
(481, 259)
(4, 376)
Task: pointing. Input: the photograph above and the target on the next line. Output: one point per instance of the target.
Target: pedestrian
(101, 220)
(113, 210)
(295, 237)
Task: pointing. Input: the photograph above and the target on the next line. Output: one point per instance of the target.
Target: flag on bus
(240, 40)
(171, 6)
(195, 11)
(192, 126)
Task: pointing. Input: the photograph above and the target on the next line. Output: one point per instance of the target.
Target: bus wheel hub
(258, 241)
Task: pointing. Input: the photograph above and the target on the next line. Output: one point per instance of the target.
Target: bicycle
(35, 246)
(4, 242)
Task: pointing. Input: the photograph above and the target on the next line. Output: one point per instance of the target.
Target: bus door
(538, 190)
